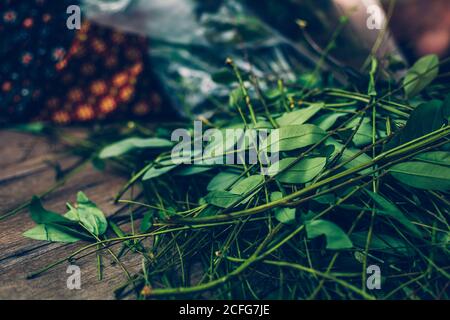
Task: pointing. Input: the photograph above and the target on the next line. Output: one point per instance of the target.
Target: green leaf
(349, 153)
(33, 127)
(51, 225)
(283, 215)
(260, 124)
(222, 199)
(303, 171)
(359, 160)
(222, 181)
(327, 121)
(192, 170)
(220, 144)
(292, 137)
(225, 199)
(335, 237)
(247, 184)
(426, 118)
(391, 210)
(421, 74)
(89, 215)
(435, 157)
(156, 172)
(146, 222)
(300, 116)
(49, 233)
(42, 216)
(129, 144)
(363, 135)
(382, 242)
(422, 175)
(309, 80)
(236, 97)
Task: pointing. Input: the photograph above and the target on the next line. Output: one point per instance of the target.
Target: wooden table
(26, 169)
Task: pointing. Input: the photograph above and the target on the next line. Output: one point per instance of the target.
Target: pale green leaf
(156, 172)
(49, 233)
(350, 153)
(292, 137)
(335, 237)
(222, 181)
(89, 215)
(327, 121)
(222, 199)
(421, 74)
(422, 175)
(299, 116)
(435, 157)
(129, 144)
(382, 242)
(391, 210)
(284, 215)
(303, 171)
(248, 184)
(192, 170)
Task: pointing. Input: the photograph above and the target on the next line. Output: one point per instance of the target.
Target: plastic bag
(190, 41)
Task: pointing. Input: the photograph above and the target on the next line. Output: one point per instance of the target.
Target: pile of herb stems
(261, 247)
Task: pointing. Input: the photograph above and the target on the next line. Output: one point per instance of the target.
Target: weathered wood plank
(25, 171)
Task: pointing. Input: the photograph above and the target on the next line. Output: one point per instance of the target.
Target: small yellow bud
(302, 23)
(146, 291)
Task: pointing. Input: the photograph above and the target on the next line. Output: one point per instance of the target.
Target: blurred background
(159, 58)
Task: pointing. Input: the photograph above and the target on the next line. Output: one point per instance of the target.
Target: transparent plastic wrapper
(190, 40)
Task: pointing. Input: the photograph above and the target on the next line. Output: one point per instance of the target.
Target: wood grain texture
(25, 170)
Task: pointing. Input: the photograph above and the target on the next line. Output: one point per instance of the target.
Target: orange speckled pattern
(105, 74)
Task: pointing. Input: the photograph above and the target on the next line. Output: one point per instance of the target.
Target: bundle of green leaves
(363, 179)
